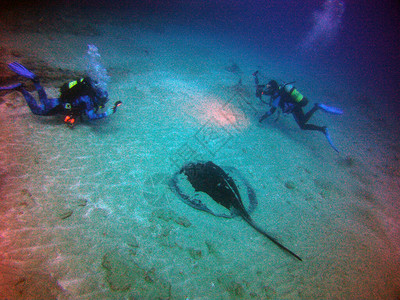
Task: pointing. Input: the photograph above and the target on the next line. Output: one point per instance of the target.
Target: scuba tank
(71, 90)
(83, 87)
(294, 94)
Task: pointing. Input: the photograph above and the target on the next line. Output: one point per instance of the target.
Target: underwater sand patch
(239, 288)
(234, 68)
(17, 283)
(123, 274)
(366, 196)
(355, 168)
(327, 189)
(155, 188)
(170, 215)
(347, 162)
(36, 19)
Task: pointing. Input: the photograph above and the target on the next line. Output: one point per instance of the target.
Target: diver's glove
(113, 109)
(266, 115)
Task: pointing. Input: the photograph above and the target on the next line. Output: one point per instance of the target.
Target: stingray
(212, 180)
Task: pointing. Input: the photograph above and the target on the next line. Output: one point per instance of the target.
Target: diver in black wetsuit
(78, 98)
(291, 101)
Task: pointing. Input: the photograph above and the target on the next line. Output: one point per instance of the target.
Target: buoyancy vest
(295, 95)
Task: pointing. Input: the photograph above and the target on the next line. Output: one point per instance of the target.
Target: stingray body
(211, 179)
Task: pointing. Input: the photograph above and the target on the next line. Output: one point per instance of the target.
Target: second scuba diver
(291, 101)
(78, 98)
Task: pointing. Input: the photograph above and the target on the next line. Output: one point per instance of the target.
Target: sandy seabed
(87, 213)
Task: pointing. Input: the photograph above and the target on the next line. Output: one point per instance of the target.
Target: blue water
(354, 42)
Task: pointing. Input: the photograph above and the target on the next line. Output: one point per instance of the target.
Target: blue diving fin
(330, 109)
(326, 132)
(10, 87)
(21, 70)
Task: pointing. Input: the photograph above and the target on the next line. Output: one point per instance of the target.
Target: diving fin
(330, 109)
(21, 70)
(10, 87)
(326, 132)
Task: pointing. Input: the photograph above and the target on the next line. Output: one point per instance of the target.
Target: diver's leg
(49, 104)
(42, 95)
(45, 108)
(310, 113)
(264, 116)
(314, 127)
(301, 120)
(37, 109)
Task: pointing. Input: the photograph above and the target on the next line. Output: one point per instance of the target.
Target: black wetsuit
(282, 99)
(81, 104)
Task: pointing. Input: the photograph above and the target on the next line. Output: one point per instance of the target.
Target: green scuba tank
(296, 96)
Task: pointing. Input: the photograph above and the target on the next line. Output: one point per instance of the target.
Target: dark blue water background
(363, 52)
(366, 47)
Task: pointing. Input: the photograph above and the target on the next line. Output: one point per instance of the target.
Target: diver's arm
(271, 111)
(267, 114)
(274, 103)
(94, 116)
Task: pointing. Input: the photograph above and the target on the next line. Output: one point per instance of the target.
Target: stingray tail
(251, 222)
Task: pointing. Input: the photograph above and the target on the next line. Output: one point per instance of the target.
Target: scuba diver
(291, 101)
(78, 98)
